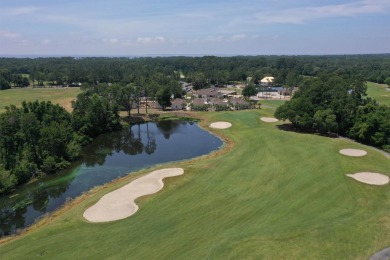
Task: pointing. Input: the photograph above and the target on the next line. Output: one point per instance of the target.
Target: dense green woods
(201, 71)
(335, 105)
(41, 137)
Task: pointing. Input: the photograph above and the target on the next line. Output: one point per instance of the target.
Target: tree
(122, 95)
(20, 81)
(93, 115)
(164, 97)
(387, 82)
(331, 104)
(40, 77)
(292, 80)
(199, 81)
(24, 171)
(136, 97)
(372, 125)
(325, 121)
(249, 90)
(7, 180)
(4, 84)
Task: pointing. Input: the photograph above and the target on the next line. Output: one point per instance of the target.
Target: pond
(109, 156)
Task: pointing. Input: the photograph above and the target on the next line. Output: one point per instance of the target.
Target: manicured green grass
(272, 103)
(273, 195)
(378, 92)
(61, 96)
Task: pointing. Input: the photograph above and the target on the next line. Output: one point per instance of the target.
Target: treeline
(159, 87)
(41, 137)
(201, 71)
(334, 105)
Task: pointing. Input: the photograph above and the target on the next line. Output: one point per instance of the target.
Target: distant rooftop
(267, 80)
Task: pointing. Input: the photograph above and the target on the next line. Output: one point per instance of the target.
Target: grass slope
(274, 195)
(378, 92)
(61, 96)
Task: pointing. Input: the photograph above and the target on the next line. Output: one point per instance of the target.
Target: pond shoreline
(126, 122)
(120, 181)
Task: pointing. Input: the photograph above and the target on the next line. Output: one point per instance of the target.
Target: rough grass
(61, 96)
(378, 92)
(269, 194)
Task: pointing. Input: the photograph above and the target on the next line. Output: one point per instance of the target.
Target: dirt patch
(66, 103)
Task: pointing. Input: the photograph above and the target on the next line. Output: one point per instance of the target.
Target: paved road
(381, 255)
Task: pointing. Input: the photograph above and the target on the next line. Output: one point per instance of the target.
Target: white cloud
(215, 39)
(304, 14)
(111, 40)
(148, 40)
(20, 10)
(195, 27)
(196, 15)
(144, 39)
(13, 40)
(10, 35)
(46, 42)
(238, 37)
(160, 38)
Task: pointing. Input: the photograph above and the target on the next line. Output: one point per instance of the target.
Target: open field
(61, 96)
(268, 194)
(379, 92)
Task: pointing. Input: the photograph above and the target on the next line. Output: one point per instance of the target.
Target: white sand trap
(353, 152)
(269, 119)
(119, 204)
(220, 125)
(372, 178)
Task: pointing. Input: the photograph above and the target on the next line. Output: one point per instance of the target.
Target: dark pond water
(110, 156)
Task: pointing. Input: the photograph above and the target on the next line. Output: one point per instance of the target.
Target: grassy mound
(269, 194)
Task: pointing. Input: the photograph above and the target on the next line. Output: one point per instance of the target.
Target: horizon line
(171, 55)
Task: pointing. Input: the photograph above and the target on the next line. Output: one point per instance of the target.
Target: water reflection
(150, 145)
(110, 156)
(168, 127)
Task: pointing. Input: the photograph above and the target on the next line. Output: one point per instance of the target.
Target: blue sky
(214, 27)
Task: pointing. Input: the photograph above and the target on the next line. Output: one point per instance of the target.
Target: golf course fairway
(268, 194)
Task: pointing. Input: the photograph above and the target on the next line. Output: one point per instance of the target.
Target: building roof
(267, 80)
(178, 101)
(217, 101)
(199, 102)
(227, 91)
(210, 92)
(239, 101)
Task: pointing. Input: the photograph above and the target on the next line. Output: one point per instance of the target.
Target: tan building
(267, 80)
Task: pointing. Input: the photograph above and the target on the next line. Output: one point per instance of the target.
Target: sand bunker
(220, 125)
(119, 204)
(269, 119)
(353, 152)
(372, 178)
